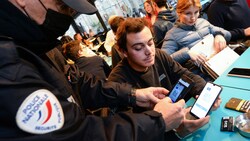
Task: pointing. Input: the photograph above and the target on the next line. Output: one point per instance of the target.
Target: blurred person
(40, 103)
(116, 55)
(86, 41)
(94, 65)
(87, 51)
(78, 36)
(91, 33)
(81, 38)
(189, 30)
(144, 66)
(164, 21)
(85, 35)
(65, 39)
(232, 15)
(110, 36)
(151, 12)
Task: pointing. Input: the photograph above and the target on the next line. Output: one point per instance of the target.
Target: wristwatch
(132, 97)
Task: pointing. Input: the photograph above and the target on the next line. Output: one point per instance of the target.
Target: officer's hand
(172, 113)
(247, 31)
(148, 97)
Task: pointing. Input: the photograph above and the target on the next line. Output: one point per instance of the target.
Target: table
(96, 47)
(232, 87)
(236, 82)
(211, 131)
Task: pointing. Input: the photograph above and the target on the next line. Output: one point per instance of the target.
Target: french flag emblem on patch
(40, 113)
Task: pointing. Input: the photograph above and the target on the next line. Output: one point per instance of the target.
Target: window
(106, 8)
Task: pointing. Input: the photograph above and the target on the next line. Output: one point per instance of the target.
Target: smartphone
(206, 100)
(181, 88)
(240, 72)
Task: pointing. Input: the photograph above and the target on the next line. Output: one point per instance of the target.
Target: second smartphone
(181, 88)
(240, 72)
(206, 100)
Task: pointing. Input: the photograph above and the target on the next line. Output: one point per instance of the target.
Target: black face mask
(55, 24)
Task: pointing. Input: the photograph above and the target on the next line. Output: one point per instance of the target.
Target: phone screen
(241, 72)
(206, 100)
(181, 88)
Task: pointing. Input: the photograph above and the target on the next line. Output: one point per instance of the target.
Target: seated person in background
(189, 30)
(94, 65)
(85, 35)
(116, 55)
(78, 36)
(110, 37)
(164, 20)
(65, 39)
(144, 66)
(151, 12)
(88, 51)
(232, 15)
(91, 33)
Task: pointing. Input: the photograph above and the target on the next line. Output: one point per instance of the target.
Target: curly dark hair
(65, 39)
(115, 22)
(70, 49)
(130, 25)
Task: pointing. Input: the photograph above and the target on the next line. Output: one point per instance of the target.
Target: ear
(21, 3)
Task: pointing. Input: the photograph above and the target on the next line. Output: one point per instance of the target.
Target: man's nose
(148, 50)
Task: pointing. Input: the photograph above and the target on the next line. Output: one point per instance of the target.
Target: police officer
(38, 102)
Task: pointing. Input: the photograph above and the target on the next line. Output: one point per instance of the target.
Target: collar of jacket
(184, 26)
(167, 15)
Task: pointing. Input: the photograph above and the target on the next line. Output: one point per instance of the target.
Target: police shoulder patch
(40, 113)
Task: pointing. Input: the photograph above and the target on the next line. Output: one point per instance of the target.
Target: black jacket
(94, 65)
(22, 73)
(164, 22)
(231, 15)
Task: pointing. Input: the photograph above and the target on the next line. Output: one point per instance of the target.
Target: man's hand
(217, 104)
(148, 97)
(190, 125)
(172, 113)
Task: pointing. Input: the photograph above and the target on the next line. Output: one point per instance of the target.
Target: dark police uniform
(37, 102)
